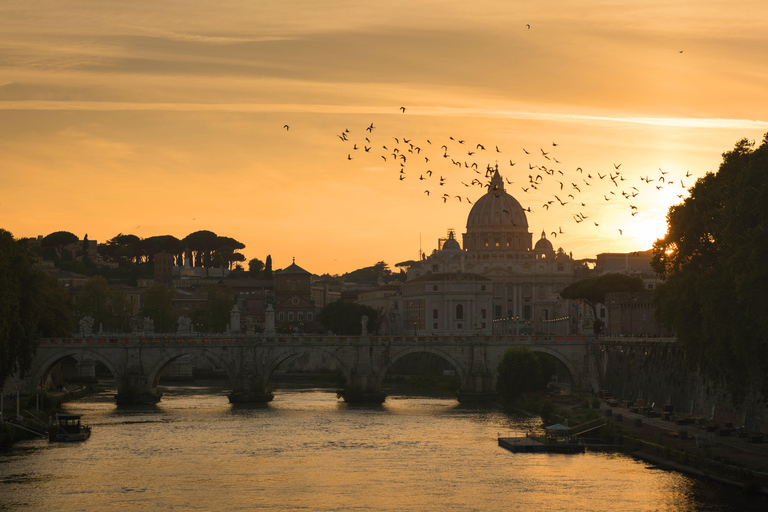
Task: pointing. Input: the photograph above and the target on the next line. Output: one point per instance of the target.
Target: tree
(202, 244)
(369, 275)
(592, 291)
(255, 267)
(268, 267)
(214, 316)
(31, 304)
(57, 241)
(346, 318)
(519, 371)
(108, 307)
(157, 304)
(713, 259)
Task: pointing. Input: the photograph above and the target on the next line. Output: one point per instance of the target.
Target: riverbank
(688, 448)
(31, 424)
(692, 449)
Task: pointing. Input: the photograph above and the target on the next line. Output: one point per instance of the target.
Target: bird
(526, 152)
(349, 157)
(403, 109)
(621, 232)
(286, 127)
(426, 192)
(511, 163)
(370, 128)
(617, 166)
(528, 25)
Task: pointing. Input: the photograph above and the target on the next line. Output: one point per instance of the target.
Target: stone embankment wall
(658, 373)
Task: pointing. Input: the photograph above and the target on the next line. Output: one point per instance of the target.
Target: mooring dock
(533, 445)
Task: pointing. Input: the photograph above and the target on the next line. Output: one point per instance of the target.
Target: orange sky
(145, 119)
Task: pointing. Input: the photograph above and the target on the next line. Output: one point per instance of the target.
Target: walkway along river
(308, 450)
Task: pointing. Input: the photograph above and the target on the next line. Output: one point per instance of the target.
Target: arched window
(459, 312)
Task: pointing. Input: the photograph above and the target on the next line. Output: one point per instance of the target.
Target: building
(294, 307)
(520, 281)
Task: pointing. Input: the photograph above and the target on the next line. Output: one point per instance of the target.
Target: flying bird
(286, 127)
(403, 109)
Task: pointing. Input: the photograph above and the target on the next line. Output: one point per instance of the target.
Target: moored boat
(67, 428)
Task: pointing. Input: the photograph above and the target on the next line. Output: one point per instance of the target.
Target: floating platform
(532, 445)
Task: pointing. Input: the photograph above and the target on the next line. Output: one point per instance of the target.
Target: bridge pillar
(479, 385)
(250, 388)
(134, 388)
(364, 386)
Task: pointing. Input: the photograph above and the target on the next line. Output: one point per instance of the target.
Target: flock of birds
(442, 165)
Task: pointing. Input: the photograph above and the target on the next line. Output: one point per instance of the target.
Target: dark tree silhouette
(592, 291)
(714, 262)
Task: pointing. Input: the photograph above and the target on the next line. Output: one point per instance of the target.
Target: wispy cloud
(106, 106)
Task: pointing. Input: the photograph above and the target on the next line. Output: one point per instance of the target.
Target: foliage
(255, 267)
(58, 240)
(268, 268)
(592, 291)
(345, 318)
(713, 259)
(31, 305)
(108, 307)
(369, 275)
(213, 316)
(157, 304)
(519, 371)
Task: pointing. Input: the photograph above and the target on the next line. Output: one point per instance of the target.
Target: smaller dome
(451, 245)
(543, 245)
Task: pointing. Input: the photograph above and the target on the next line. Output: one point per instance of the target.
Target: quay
(533, 445)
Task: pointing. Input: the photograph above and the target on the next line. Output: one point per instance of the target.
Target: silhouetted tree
(57, 241)
(255, 267)
(268, 267)
(592, 291)
(32, 304)
(157, 304)
(213, 317)
(713, 259)
(519, 371)
(342, 317)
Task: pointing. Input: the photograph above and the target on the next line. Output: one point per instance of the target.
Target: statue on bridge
(185, 325)
(86, 327)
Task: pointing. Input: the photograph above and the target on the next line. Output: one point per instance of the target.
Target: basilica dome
(497, 223)
(543, 245)
(497, 208)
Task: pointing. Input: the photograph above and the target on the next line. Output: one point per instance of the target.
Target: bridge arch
(290, 353)
(156, 371)
(461, 371)
(560, 357)
(41, 371)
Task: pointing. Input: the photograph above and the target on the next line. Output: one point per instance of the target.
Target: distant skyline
(166, 119)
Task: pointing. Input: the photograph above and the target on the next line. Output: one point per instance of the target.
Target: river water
(309, 451)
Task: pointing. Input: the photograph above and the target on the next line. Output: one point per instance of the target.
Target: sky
(152, 118)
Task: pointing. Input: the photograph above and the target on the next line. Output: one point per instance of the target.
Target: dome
(451, 245)
(543, 245)
(497, 208)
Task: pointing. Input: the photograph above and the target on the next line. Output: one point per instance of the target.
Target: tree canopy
(342, 317)
(714, 259)
(519, 371)
(369, 275)
(31, 305)
(592, 291)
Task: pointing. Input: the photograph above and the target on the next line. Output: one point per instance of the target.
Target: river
(309, 451)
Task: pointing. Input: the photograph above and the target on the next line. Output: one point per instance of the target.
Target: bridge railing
(115, 339)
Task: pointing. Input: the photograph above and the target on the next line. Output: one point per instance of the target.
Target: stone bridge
(137, 362)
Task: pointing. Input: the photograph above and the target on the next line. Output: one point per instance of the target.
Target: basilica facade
(499, 282)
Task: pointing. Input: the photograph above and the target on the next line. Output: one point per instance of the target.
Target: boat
(67, 428)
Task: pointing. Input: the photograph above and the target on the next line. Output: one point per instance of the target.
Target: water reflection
(308, 450)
